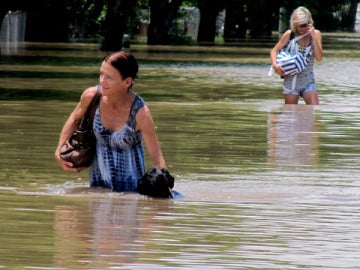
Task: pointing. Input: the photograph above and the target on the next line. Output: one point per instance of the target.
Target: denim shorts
(310, 87)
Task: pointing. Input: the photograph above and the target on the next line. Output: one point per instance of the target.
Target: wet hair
(124, 62)
(300, 16)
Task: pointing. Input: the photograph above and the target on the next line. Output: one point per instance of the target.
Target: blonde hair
(300, 16)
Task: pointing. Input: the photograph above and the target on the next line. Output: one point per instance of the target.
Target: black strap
(87, 120)
(292, 35)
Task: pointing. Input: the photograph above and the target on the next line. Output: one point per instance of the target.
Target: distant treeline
(106, 21)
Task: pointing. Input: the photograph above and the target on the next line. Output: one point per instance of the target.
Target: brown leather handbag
(81, 147)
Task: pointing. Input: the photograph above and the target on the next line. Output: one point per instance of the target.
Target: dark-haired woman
(122, 121)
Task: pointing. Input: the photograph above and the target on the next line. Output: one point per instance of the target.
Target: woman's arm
(278, 46)
(71, 125)
(317, 41)
(145, 124)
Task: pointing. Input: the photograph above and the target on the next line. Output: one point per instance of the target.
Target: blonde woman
(302, 84)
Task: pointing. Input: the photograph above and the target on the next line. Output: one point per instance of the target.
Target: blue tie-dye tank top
(119, 161)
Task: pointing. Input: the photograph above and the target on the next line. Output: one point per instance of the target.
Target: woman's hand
(66, 165)
(311, 30)
(279, 70)
(273, 53)
(316, 37)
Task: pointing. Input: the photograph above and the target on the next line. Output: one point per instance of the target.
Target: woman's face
(110, 79)
(302, 28)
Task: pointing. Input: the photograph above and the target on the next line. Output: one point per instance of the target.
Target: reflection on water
(105, 233)
(266, 186)
(293, 136)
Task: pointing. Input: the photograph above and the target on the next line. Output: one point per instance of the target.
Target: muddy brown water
(265, 186)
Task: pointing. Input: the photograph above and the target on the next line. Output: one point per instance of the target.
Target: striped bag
(293, 63)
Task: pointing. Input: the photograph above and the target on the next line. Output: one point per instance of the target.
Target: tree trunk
(348, 21)
(116, 24)
(209, 10)
(260, 14)
(162, 14)
(235, 23)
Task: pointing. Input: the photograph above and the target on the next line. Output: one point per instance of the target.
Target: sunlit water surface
(265, 186)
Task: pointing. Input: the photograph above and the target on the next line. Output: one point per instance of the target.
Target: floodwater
(265, 186)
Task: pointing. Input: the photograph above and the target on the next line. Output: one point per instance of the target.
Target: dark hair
(124, 62)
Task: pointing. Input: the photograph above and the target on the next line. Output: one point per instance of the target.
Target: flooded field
(264, 185)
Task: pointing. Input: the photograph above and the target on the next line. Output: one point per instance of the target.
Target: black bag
(81, 147)
(156, 183)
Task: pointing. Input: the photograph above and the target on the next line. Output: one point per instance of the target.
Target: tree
(46, 21)
(116, 23)
(162, 15)
(84, 18)
(259, 15)
(64, 20)
(235, 21)
(349, 18)
(336, 15)
(328, 15)
(209, 10)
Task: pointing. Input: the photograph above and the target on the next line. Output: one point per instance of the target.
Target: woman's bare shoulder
(286, 35)
(89, 93)
(85, 100)
(317, 33)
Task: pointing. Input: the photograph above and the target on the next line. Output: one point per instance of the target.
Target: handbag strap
(293, 40)
(87, 120)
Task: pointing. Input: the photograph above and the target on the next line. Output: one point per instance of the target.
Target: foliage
(85, 18)
(142, 4)
(190, 3)
(178, 30)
